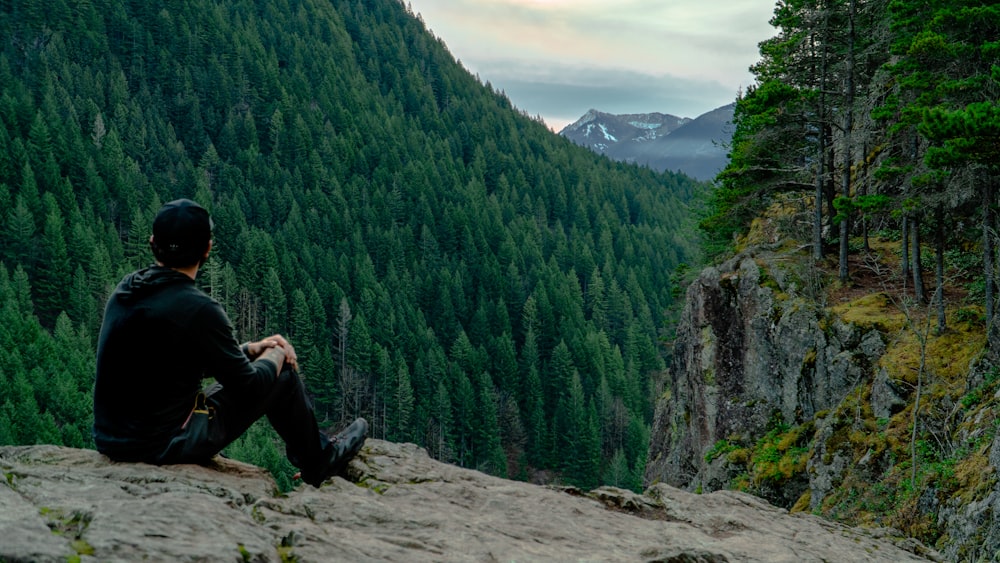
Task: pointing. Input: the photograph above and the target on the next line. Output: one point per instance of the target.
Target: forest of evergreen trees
(884, 115)
(445, 265)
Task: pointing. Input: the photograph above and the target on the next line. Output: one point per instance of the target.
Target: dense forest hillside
(852, 328)
(445, 265)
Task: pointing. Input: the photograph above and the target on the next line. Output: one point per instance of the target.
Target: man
(162, 335)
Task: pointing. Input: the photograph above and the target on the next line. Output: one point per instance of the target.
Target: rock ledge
(400, 505)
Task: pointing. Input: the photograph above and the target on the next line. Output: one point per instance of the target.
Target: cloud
(559, 58)
(680, 37)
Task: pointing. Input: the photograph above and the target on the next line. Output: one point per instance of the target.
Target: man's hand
(255, 349)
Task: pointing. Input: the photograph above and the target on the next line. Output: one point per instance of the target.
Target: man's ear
(207, 250)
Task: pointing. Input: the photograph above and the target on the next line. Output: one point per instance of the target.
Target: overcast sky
(559, 58)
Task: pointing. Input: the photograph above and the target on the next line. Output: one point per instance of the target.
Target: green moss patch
(81, 547)
(70, 525)
(874, 310)
(948, 356)
(61, 523)
(781, 454)
(719, 449)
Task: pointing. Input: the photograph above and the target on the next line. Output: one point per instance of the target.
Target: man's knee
(289, 381)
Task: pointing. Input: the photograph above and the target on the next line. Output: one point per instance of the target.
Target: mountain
(398, 504)
(446, 266)
(600, 131)
(696, 147)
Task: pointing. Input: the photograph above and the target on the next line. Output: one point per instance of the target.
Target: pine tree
(30, 424)
(275, 304)
(81, 305)
(7, 430)
(618, 473)
(579, 442)
(559, 374)
(54, 274)
(440, 426)
(486, 427)
(19, 233)
(464, 412)
(596, 302)
(400, 403)
(505, 365)
(538, 438)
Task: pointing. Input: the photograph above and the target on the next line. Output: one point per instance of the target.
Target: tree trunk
(988, 266)
(904, 272)
(939, 271)
(918, 277)
(821, 163)
(845, 231)
(914, 460)
(818, 216)
(347, 377)
(864, 192)
(845, 178)
(831, 182)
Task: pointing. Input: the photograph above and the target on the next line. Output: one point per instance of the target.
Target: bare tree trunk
(916, 408)
(831, 182)
(939, 271)
(347, 377)
(213, 275)
(988, 251)
(904, 272)
(845, 179)
(818, 215)
(845, 231)
(821, 162)
(864, 189)
(922, 334)
(248, 313)
(918, 277)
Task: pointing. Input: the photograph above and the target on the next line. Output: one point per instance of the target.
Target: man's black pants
(225, 414)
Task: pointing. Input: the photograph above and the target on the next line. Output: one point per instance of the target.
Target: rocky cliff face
(812, 406)
(748, 356)
(59, 504)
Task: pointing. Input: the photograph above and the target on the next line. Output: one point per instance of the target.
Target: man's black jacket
(161, 336)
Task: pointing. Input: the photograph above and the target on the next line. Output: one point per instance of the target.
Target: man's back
(161, 335)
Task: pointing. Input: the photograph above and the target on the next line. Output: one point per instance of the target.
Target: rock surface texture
(399, 505)
(744, 352)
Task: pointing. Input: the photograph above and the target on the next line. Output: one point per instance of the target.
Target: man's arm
(225, 359)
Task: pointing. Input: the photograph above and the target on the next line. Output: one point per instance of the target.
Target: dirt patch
(873, 272)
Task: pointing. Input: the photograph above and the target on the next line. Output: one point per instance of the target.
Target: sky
(559, 58)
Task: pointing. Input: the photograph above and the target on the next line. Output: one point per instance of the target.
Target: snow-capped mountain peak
(661, 141)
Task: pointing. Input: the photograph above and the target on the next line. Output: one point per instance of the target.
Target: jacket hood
(143, 281)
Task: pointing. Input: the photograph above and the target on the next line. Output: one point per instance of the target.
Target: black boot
(342, 448)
